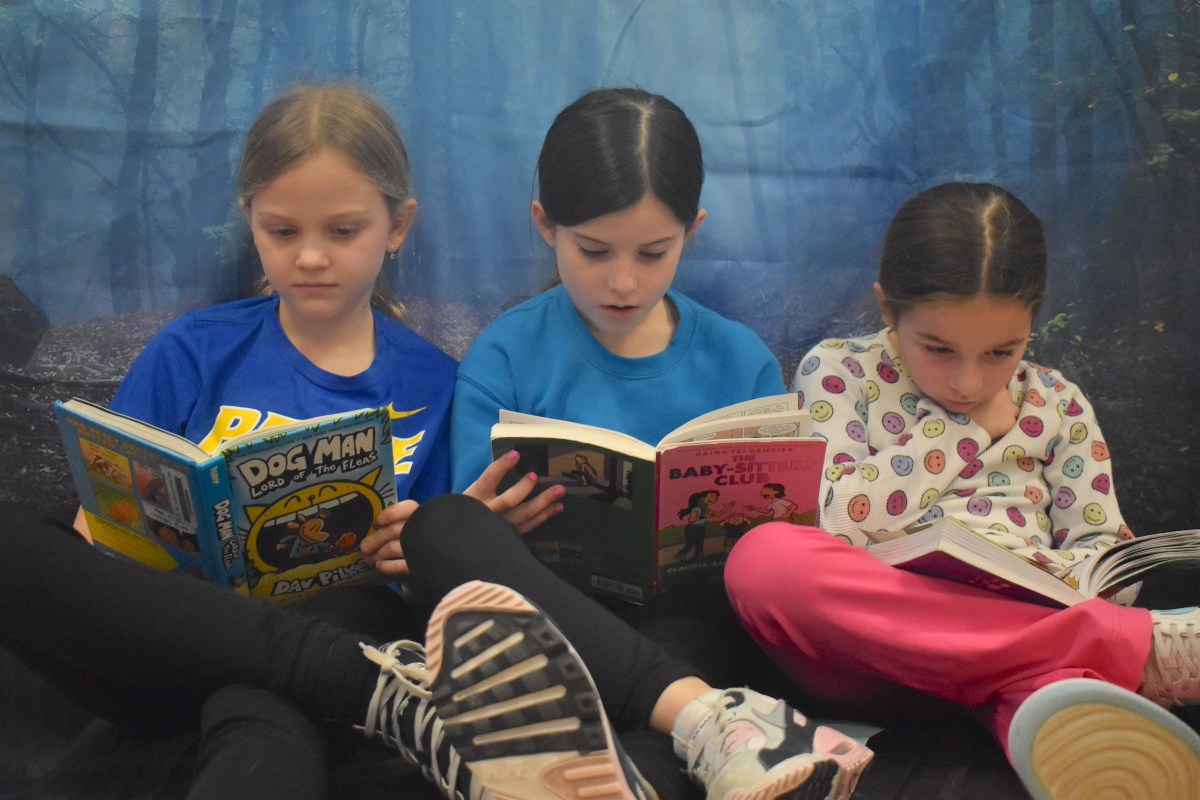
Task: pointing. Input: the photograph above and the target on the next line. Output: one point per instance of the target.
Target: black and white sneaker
(519, 705)
(403, 716)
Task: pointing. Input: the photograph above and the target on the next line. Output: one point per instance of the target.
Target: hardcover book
(277, 513)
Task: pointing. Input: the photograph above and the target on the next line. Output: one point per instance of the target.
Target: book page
(575, 432)
(1126, 560)
(135, 427)
(779, 406)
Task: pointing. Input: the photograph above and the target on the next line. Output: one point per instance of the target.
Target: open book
(276, 513)
(948, 548)
(640, 518)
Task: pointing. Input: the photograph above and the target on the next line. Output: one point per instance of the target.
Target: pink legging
(819, 605)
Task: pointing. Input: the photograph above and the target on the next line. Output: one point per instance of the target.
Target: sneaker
(1172, 675)
(1079, 739)
(747, 746)
(519, 705)
(402, 715)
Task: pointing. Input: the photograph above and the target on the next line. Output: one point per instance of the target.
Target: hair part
(963, 240)
(307, 118)
(612, 147)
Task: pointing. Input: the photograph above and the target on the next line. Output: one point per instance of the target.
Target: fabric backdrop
(121, 124)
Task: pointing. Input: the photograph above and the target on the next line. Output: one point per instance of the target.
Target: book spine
(222, 544)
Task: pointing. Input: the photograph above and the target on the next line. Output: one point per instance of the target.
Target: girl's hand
(381, 548)
(514, 504)
(997, 415)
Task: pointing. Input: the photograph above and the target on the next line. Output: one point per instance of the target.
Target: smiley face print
(1079, 432)
(1013, 452)
(1093, 514)
(1031, 425)
(821, 411)
(859, 507)
(833, 384)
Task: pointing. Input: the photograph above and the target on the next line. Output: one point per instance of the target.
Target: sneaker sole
(516, 700)
(1080, 739)
(830, 772)
(851, 755)
(815, 780)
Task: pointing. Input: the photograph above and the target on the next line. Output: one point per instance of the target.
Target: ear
(402, 222)
(885, 308)
(542, 220)
(695, 226)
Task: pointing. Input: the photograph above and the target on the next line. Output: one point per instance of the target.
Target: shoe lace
(1176, 657)
(403, 681)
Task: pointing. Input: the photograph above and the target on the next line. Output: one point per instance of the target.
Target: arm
(485, 384)
(1084, 516)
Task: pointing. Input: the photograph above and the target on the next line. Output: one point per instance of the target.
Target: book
(639, 519)
(949, 548)
(277, 513)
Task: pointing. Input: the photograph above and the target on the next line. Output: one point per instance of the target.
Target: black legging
(132, 643)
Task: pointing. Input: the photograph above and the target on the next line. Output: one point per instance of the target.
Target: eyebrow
(594, 240)
(938, 340)
(339, 217)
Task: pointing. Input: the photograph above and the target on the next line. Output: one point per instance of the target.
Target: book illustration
(312, 523)
(277, 513)
(639, 518)
(720, 491)
(306, 503)
(590, 473)
(106, 464)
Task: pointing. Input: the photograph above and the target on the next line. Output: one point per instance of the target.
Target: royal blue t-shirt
(223, 371)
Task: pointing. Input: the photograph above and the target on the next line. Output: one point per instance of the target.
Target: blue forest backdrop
(121, 123)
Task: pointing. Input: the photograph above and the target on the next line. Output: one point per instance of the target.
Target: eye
(594, 255)
(654, 256)
(938, 350)
(1001, 354)
(345, 231)
(281, 233)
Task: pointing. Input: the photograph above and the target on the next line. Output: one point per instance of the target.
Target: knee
(772, 557)
(426, 530)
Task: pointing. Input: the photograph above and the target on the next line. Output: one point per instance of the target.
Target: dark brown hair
(963, 240)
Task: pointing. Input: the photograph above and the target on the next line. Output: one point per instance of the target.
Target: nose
(311, 256)
(621, 277)
(966, 380)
